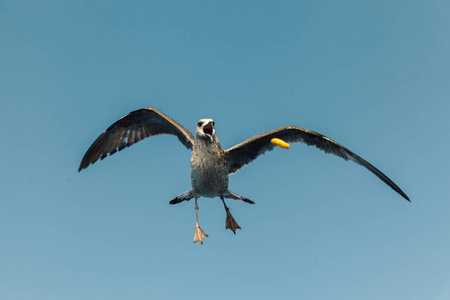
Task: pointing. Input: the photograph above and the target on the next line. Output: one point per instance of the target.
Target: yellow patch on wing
(280, 143)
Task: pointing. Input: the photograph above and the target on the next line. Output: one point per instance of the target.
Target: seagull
(210, 163)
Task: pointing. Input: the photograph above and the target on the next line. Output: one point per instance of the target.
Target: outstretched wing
(131, 129)
(247, 151)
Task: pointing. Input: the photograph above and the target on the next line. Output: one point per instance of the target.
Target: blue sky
(373, 76)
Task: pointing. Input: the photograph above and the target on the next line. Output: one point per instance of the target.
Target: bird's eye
(199, 124)
(214, 123)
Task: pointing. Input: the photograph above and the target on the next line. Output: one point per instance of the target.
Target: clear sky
(372, 75)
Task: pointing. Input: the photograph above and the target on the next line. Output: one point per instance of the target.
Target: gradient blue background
(372, 75)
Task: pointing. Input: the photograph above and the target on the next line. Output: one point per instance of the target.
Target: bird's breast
(209, 174)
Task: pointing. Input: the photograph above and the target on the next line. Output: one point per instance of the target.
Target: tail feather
(188, 195)
(232, 195)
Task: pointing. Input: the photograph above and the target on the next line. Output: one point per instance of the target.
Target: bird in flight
(210, 163)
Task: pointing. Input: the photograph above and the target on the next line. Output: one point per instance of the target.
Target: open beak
(208, 129)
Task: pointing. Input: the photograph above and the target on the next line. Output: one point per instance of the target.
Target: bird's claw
(231, 223)
(199, 234)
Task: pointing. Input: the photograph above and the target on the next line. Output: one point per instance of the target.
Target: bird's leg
(230, 222)
(199, 233)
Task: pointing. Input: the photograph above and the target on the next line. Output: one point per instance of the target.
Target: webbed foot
(231, 223)
(199, 234)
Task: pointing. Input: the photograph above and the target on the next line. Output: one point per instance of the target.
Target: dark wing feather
(247, 151)
(132, 128)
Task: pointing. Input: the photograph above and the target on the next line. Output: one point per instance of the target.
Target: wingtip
(404, 196)
(81, 167)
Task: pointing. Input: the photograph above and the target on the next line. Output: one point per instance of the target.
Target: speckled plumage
(209, 170)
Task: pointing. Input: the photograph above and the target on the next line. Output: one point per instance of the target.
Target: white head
(205, 129)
